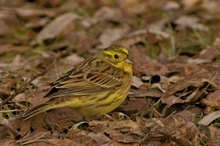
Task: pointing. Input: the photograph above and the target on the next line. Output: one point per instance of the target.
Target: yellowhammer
(94, 87)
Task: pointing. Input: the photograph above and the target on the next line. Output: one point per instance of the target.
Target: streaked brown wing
(81, 81)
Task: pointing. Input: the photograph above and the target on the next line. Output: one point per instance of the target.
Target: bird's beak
(129, 61)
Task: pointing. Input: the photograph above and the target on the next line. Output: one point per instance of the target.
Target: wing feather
(81, 81)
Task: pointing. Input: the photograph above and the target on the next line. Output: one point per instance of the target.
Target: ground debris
(174, 45)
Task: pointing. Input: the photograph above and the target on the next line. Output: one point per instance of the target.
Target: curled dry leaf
(178, 128)
(20, 97)
(191, 88)
(136, 81)
(162, 85)
(179, 119)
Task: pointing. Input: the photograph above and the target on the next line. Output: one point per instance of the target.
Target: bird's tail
(35, 110)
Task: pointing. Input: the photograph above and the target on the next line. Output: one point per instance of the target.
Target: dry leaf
(111, 35)
(189, 3)
(55, 27)
(209, 53)
(100, 138)
(107, 13)
(143, 63)
(132, 6)
(209, 118)
(212, 100)
(191, 88)
(171, 5)
(190, 22)
(30, 13)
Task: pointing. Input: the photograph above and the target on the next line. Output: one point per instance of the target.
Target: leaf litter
(174, 98)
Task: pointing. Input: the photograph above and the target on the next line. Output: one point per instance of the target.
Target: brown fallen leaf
(190, 88)
(81, 137)
(30, 13)
(144, 64)
(100, 138)
(116, 130)
(213, 138)
(134, 105)
(210, 53)
(212, 101)
(177, 128)
(146, 93)
(121, 126)
(136, 81)
(55, 27)
(209, 118)
(6, 87)
(189, 3)
(184, 69)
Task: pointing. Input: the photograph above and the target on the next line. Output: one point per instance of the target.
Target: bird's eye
(116, 56)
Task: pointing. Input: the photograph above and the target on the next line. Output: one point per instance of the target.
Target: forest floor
(175, 94)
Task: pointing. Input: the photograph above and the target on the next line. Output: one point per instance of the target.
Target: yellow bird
(93, 87)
